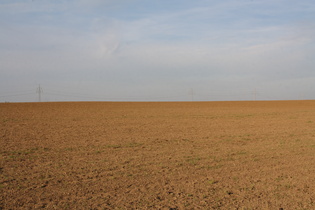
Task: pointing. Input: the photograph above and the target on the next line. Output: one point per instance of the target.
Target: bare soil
(172, 155)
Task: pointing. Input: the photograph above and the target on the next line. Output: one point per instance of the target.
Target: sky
(157, 50)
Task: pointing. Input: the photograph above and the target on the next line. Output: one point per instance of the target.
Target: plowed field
(172, 155)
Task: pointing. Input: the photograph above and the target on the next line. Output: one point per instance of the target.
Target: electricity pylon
(39, 90)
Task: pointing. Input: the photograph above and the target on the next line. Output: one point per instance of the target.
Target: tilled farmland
(158, 155)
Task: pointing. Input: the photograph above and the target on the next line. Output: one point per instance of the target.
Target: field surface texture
(172, 155)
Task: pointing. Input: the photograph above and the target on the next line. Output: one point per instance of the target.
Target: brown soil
(198, 155)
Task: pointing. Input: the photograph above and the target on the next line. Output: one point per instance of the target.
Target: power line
(191, 95)
(12, 95)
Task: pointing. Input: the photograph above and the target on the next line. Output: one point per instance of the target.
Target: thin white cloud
(191, 44)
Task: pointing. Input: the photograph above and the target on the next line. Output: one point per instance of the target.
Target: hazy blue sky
(157, 50)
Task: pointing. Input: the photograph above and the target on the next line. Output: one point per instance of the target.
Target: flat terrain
(181, 155)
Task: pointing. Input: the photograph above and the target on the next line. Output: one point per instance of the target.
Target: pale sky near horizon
(158, 50)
